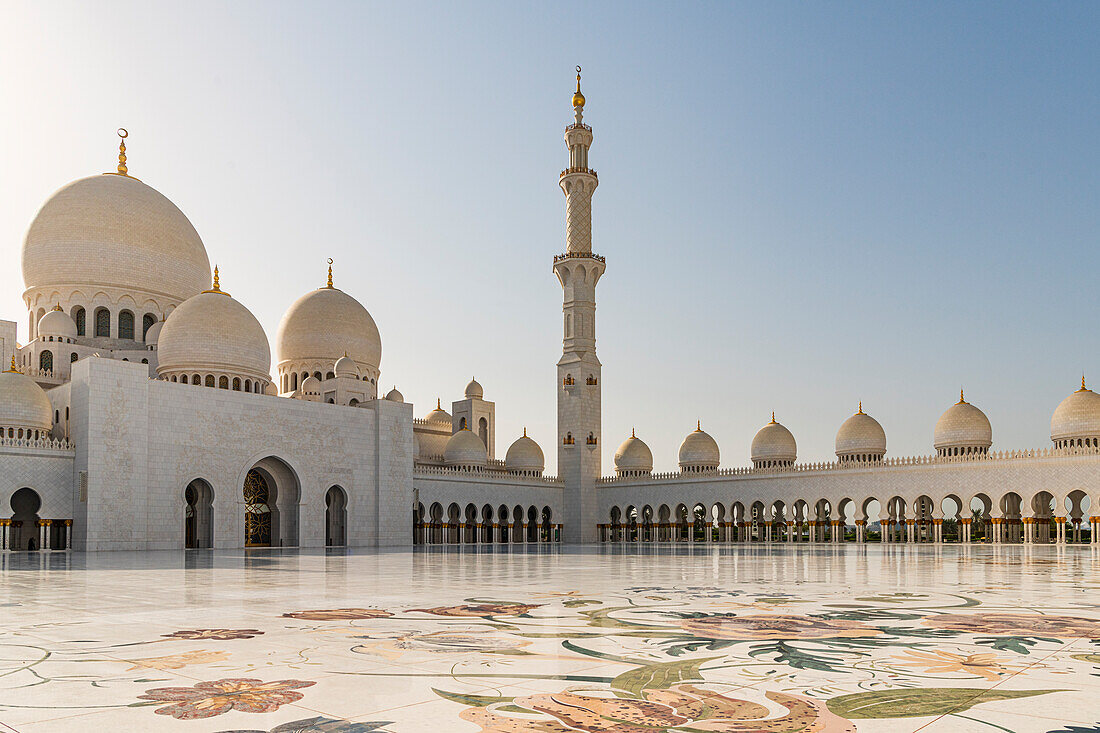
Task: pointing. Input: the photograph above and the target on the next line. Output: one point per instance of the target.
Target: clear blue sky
(802, 205)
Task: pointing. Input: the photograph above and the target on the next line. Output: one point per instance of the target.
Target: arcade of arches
(1008, 519)
(470, 525)
(26, 529)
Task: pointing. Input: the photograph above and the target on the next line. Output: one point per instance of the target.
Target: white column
(68, 534)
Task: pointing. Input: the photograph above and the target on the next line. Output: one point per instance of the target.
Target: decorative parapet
(848, 465)
(495, 476)
(589, 171)
(579, 256)
(61, 445)
(578, 126)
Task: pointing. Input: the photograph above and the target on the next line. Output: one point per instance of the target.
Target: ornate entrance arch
(257, 511)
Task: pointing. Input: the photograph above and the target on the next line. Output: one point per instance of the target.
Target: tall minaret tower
(579, 380)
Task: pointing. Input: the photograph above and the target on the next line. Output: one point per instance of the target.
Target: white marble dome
(213, 333)
(633, 457)
(773, 445)
(860, 437)
(153, 334)
(474, 390)
(311, 385)
(1077, 419)
(114, 231)
(56, 323)
(962, 429)
(699, 451)
(438, 414)
(325, 324)
(464, 448)
(23, 404)
(525, 456)
(345, 367)
(394, 396)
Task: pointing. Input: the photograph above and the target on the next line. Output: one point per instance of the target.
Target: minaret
(579, 380)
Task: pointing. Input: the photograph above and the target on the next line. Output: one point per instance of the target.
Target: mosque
(141, 413)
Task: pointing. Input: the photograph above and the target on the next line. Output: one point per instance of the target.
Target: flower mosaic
(207, 699)
(679, 643)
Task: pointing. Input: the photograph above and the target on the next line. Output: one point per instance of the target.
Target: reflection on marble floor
(781, 639)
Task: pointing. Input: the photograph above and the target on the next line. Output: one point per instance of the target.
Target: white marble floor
(612, 639)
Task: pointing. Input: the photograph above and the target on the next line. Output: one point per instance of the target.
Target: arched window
(330, 375)
(223, 383)
(144, 361)
(45, 361)
(209, 380)
(483, 431)
(103, 323)
(236, 384)
(318, 375)
(462, 423)
(183, 379)
(78, 318)
(248, 385)
(147, 322)
(126, 325)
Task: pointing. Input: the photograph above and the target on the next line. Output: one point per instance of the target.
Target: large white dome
(699, 451)
(633, 457)
(962, 429)
(525, 455)
(114, 231)
(774, 444)
(465, 449)
(213, 333)
(860, 438)
(322, 326)
(1077, 418)
(23, 404)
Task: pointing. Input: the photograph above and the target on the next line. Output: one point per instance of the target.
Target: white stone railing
(40, 373)
(39, 444)
(459, 472)
(900, 462)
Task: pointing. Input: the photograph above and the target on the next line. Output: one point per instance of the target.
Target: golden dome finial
(698, 426)
(773, 418)
(578, 98)
(632, 435)
(438, 406)
(122, 134)
(525, 431)
(57, 307)
(962, 399)
(14, 368)
(329, 286)
(216, 287)
(860, 408)
(1083, 387)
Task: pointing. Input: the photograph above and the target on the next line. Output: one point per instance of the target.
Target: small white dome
(212, 332)
(114, 231)
(474, 390)
(23, 404)
(774, 444)
(325, 323)
(633, 457)
(861, 435)
(438, 414)
(699, 451)
(56, 323)
(963, 426)
(525, 455)
(465, 449)
(1077, 417)
(345, 367)
(394, 396)
(311, 385)
(152, 336)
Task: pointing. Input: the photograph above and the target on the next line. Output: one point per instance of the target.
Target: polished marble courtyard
(550, 639)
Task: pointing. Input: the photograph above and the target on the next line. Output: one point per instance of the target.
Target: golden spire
(329, 286)
(962, 399)
(698, 426)
(860, 408)
(773, 418)
(14, 368)
(631, 430)
(122, 134)
(58, 307)
(216, 288)
(578, 98)
(1083, 387)
(437, 405)
(525, 431)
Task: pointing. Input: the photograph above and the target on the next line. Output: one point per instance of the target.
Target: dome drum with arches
(773, 446)
(860, 439)
(1076, 422)
(699, 452)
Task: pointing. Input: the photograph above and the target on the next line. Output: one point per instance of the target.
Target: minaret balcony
(589, 171)
(578, 126)
(578, 256)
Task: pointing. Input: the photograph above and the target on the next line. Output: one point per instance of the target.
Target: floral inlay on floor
(735, 639)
